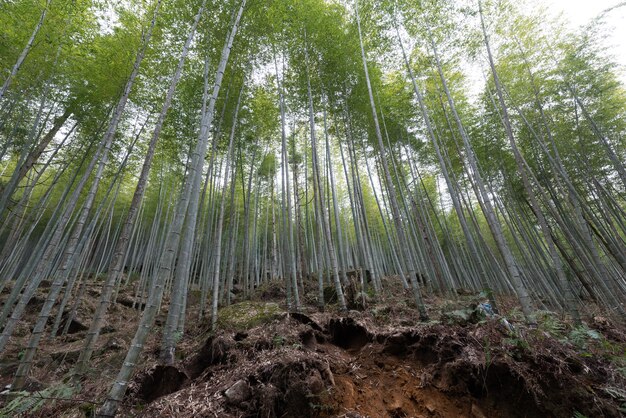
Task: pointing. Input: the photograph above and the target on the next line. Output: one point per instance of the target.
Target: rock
(237, 393)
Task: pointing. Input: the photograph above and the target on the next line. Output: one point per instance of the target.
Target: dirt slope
(322, 365)
(380, 362)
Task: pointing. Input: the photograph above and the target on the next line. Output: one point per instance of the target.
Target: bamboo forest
(310, 208)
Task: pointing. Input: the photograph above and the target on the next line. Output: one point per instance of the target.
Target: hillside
(374, 362)
(302, 208)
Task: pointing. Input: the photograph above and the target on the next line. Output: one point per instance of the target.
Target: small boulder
(238, 392)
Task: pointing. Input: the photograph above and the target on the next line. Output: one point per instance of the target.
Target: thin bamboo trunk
(118, 390)
(406, 256)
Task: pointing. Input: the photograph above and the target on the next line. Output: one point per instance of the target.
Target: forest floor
(374, 362)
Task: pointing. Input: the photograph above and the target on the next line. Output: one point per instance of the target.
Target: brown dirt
(319, 365)
(380, 362)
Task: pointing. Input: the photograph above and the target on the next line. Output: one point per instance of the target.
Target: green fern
(550, 323)
(23, 402)
(31, 402)
(581, 335)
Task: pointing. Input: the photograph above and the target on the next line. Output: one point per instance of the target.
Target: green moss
(247, 314)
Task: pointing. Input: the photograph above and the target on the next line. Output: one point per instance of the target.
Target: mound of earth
(322, 365)
(379, 362)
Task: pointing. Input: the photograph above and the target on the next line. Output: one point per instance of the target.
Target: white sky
(580, 12)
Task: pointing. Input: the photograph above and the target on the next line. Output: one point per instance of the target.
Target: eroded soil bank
(323, 365)
(376, 362)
